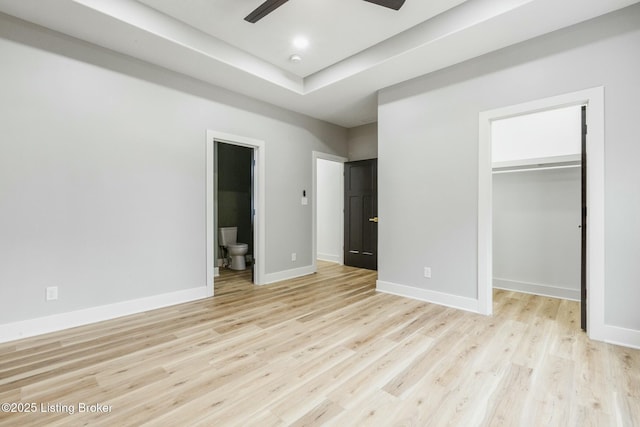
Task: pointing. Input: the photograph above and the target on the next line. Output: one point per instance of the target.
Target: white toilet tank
(228, 235)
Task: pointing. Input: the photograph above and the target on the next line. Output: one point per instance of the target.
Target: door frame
(594, 99)
(584, 236)
(259, 233)
(315, 155)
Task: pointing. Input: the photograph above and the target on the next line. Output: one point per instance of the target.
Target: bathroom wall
(234, 190)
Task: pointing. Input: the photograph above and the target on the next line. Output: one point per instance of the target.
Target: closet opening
(593, 99)
(538, 207)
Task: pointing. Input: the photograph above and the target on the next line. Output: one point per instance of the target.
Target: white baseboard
(216, 272)
(622, 336)
(440, 298)
(537, 289)
(288, 274)
(330, 258)
(57, 322)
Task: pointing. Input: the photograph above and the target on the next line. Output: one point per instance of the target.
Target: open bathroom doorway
(235, 206)
(234, 213)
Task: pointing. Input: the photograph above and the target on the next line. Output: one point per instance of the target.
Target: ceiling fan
(270, 5)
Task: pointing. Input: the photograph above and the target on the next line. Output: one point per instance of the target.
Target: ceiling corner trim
(144, 18)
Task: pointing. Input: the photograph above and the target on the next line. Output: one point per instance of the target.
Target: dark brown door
(361, 214)
(583, 263)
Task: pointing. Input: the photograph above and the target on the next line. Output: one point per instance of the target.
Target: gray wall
(363, 142)
(428, 155)
(536, 239)
(102, 174)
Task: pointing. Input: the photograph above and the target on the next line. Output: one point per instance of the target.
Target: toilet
(236, 251)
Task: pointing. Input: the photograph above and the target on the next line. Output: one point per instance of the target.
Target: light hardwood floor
(326, 349)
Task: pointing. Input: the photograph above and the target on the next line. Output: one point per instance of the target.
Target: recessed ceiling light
(301, 42)
(295, 58)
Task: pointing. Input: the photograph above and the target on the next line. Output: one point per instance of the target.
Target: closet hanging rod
(535, 168)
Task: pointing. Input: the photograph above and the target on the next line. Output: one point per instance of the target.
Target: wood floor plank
(373, 410)
(310, 393)
(432, 358)
(552, 387)
(507, 402)
(319, 415)
(381, 371)
(325, 349)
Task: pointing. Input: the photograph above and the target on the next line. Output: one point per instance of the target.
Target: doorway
(257, 204)
(328, 208)
(536, 211)
(234, 208)
(594, 99)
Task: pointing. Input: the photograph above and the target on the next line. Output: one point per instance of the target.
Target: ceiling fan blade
(263, 10)
(391, 4)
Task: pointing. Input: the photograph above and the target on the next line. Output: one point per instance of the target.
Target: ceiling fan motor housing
(270, 5)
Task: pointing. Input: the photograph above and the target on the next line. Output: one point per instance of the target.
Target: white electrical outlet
(427, 272)
(293, 256)
(52, 293)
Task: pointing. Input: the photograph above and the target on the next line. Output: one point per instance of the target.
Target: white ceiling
(336, 29)
(356, 47)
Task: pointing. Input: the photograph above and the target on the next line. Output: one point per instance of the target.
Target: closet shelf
(541, 163)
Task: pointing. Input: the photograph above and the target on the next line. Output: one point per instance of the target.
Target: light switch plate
(52, 293)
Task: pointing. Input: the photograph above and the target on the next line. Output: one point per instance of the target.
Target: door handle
(374, 219)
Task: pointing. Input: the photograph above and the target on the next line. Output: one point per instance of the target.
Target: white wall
(330, 202)
(545, 134)
(102, 174)
(536, 239)
(428, 156)
(363, 142)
